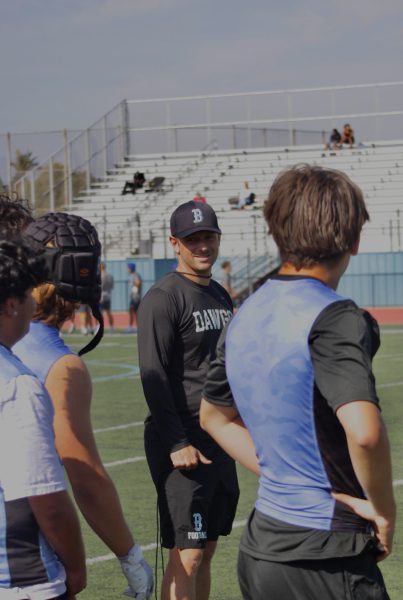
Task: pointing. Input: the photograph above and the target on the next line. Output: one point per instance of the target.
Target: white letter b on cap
(197, 215)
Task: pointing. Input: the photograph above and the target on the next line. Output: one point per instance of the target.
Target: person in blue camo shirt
(292, 396)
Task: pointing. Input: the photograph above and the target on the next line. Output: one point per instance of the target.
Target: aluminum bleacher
(139, 224)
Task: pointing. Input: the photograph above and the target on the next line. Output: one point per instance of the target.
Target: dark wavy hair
(21, 266)
(15, 214)
(314, 214)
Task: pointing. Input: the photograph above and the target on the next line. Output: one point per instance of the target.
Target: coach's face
(198, 252)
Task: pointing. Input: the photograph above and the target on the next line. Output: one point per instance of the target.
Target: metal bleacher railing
(169, 125)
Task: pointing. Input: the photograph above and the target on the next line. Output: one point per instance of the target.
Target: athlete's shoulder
(11, 366)
(348, 321)
(161, 300)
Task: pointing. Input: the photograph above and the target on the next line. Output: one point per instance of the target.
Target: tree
(60, 188)
(24, 161)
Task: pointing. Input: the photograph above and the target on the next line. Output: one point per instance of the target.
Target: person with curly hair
(68, 382)
(41, 548)
(14, 214)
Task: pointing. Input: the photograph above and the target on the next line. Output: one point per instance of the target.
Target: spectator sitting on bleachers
(243, 194)
(136, 184)
(250, 199)
(334, 140)
(347, 136)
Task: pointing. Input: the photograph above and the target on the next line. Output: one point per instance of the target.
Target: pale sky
(64, 63)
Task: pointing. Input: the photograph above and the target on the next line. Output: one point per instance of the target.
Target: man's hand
(188, 458)
(76, 581)
(138, 573)
(383, 527)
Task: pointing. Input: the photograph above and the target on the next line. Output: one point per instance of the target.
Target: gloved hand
(138, 573)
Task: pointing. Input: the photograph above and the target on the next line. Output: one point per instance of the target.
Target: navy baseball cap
(193, 216)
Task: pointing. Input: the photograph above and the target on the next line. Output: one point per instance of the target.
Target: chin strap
(100, 332)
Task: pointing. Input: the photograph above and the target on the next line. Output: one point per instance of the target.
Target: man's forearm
(227, 428)
(370, 453)
(373, 467)
(96, 496)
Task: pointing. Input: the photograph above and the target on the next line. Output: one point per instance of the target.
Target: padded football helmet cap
(73, 264)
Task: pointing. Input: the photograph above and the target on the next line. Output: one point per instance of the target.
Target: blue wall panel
(374, 279)
(370, 280)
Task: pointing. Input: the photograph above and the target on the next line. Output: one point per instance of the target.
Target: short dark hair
(225, 264)
(314, 214)
(21, 266)
(15, 214)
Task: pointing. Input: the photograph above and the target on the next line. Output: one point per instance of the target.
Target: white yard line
(125, 461)
(235, 525)
(391, 331)
(116, 427)
(388, 385)
(105, 557)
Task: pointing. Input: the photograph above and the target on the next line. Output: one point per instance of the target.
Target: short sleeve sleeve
(216, 388)
(343, 341)
(30, 465)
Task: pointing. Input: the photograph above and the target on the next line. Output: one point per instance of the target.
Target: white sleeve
(29, 462)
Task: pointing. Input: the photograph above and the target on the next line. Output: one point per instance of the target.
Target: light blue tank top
(41, 348)
(271, 375)
(44, 565)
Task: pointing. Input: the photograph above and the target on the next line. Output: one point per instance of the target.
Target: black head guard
(73, 264)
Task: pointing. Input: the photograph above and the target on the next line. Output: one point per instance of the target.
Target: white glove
(138, 573)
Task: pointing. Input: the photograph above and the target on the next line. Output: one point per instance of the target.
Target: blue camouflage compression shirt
(293, 354)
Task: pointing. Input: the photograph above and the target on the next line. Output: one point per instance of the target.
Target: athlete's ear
(10, 307)
(354, 249)
(175, 244)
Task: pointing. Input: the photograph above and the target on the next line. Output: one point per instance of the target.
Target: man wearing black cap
(180, 320)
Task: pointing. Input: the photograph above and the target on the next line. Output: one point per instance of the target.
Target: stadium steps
(127, 221)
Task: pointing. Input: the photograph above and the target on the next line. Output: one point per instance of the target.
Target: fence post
(88, 161)
(66, 168)
(289, 107)
(208, 120)
(8, 151)
(51, 186)
(33, 196)
(248, 118)
(126, 129)
(376, 94)
(168, 124)
(175, 138)
(248, 272)
(105, 143)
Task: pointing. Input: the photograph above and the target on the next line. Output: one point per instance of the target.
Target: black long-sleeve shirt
(179, 323)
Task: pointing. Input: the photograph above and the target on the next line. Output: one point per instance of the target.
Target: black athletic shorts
(135, 302)
(105, 305)
(195, 506)
(353, 578)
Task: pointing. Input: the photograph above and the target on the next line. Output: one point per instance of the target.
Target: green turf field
(118, 410)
